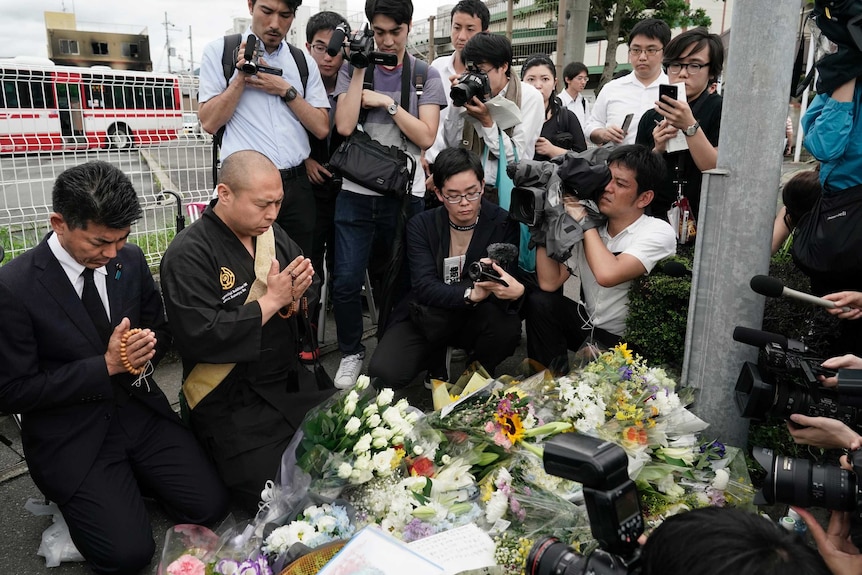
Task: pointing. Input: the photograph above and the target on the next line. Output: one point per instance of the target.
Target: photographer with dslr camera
(470, 125)
(620, 244)
(459, 297)
(363, 215)
(268, 106)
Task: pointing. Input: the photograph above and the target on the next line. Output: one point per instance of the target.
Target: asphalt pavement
(22, 531)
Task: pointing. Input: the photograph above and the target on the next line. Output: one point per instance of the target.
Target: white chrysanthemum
(313, 513)
(496, 507)
(721, 479)
(385, 397)
(299, 531)
(326, 524)
(352, 426)
(363, 445)
(664, 401)
(278, 541)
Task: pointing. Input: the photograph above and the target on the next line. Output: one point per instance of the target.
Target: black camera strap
(417, 79)
(229, 55)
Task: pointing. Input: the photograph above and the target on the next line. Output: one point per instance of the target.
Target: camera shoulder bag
(828, 239)
(387, 170)
(228, 63)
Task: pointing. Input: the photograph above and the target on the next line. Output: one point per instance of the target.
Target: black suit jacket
(53, 368)
(428, 244)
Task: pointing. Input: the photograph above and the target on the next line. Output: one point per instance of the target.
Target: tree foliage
(617, 17)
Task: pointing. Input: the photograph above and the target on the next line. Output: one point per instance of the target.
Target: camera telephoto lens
(803, 483)
(550, 556)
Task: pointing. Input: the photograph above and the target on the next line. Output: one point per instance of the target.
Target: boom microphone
(772, 287)
(250, 45)
(335, 41)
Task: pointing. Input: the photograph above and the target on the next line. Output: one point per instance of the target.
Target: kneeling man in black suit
(83, 326)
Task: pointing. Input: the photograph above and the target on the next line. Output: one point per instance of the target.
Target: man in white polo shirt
(633, 93)
(612, 254)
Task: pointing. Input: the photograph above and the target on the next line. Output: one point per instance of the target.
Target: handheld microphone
(772, 287)
(676, 270)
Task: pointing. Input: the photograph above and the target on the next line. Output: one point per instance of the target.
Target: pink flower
(187, 565)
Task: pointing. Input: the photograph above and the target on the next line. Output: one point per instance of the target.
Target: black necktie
(93, 304)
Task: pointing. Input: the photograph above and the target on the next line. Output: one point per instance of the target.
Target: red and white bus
(55, 108)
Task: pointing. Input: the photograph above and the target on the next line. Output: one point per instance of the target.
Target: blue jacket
(834, 136)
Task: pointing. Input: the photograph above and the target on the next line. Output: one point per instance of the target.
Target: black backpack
(228, 62)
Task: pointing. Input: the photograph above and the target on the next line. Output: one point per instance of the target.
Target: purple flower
(716, 497)
(714, 450)
(625, 373)
(417, 529)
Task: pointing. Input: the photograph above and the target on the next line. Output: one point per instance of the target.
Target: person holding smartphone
(694, 58)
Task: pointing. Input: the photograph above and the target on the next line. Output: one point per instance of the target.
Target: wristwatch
(467, 299)
(392, 109)
(290, 95)
(691, 130)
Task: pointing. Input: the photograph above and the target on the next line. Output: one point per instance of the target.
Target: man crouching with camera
(453, 301)
(620, 244)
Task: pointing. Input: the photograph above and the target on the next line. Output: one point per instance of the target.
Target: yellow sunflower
(511, 426)
(625, 351)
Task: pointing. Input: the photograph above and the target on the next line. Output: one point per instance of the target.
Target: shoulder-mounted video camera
(358, 47)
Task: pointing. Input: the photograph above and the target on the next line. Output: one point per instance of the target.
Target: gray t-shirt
(381, 126)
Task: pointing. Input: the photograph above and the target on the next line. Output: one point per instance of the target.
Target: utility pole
(168, 41)
(560, 62)
(577, 18)
(191, 54)
(509, 18)
(737, 210)
(432, 53)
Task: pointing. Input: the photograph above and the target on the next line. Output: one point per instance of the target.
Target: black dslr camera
(806, 484)
(473, 82)
(252, 55)
(360, 45)
(613, 507)
(501, 253)
(784, 382)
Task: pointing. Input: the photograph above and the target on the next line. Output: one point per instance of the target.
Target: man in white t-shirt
(612, 254)
(633, 93)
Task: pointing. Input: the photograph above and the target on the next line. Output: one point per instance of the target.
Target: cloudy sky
(22, 25)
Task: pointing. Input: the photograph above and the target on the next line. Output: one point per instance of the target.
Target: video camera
(613, 508)
(784, 382)
(358, 47)
(501, 253)
(473, 82)
(803, 483)
(252, 55)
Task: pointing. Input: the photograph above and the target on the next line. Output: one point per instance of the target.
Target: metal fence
(182, 166)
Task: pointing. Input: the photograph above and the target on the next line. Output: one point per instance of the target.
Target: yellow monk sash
(205, 377)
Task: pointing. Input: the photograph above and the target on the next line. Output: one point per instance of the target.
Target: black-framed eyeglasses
(691, 67)
(470, 197)
(649, 51)
(319, 48)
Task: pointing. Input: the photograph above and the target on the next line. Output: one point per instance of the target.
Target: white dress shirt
(74, 270)
(620, 97)
(579, 107)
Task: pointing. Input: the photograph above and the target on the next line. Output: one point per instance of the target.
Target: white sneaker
(348, 371)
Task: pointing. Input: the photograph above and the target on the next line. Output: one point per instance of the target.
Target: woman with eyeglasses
(695, 59)
(561, 131)
(454, 301)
